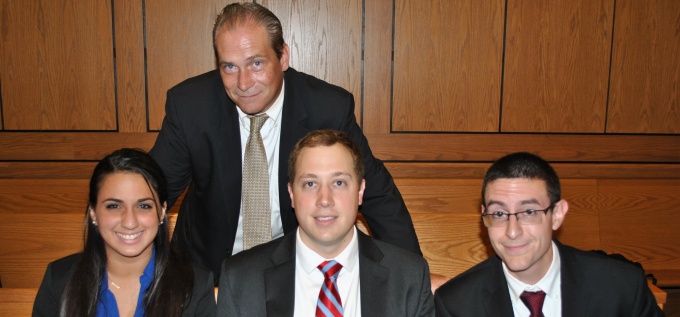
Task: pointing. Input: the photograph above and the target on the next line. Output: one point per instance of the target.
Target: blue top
(107, 306)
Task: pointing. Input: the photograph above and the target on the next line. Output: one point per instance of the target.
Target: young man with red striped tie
(327, 268)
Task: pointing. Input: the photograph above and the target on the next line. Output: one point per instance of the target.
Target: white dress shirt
(308, 278)
(550, 284)
(271, 137)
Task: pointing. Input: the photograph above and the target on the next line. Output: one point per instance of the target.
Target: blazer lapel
(372, 277)
(279, 280)
(573, 301)
(497, 302)
(292, 130)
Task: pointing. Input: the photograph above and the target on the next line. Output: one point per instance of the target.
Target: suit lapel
(573, 301)
(497, 302)
(292, 130)
(372, 277)
(229, 143)
(279, 280)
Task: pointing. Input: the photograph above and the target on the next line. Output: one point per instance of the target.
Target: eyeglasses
(527, 217)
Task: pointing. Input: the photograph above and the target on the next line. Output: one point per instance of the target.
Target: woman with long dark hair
(127, 266)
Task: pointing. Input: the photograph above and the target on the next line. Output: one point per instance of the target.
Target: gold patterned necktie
(255, 192)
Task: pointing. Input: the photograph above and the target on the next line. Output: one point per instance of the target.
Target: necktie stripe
(329, 303)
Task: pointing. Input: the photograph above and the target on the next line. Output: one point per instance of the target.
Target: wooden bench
(17, 301)
(42, 220)
(450, 232)
(635, 218)
(28, 242)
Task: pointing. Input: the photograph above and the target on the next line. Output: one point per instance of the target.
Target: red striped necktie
(329, 303)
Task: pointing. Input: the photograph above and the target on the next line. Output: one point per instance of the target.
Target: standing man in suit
(534, 274)
(284, 277)
(206, 127)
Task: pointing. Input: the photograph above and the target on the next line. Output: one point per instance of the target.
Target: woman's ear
(93, 215)
(163, 212)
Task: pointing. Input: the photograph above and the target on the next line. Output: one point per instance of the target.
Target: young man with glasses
(534, 274)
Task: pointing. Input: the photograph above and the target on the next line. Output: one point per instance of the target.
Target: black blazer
(592, 285)
(261, 281)
(59, 272)
(199, 146)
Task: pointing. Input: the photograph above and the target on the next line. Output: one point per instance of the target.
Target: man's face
(251, 73)
(326, 195)
(525, 249)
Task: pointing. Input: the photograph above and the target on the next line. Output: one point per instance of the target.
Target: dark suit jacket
(592, 285)
(200, 145)
(59, 272)
(261, 281)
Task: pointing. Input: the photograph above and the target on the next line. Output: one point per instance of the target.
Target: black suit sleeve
(47, 300)
(645, 304)
(383, 207)
(57, 275)
(203, 295)
(171, 151)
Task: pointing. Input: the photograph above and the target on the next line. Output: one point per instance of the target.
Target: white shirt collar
(274, 112)
(309, 259)
(549, 283)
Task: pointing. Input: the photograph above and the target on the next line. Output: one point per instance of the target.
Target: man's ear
(292, 197)
(362, 187)
(559, 212)
(285, 57)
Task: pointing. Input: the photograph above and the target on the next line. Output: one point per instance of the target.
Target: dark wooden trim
(552, 147)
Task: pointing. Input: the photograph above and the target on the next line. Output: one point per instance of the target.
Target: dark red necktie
(534, 301)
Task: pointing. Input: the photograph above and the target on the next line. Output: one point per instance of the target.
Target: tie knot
(533, 301)
(257, 121)
(330, 269)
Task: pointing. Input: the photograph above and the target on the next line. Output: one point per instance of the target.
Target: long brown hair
(170, 290)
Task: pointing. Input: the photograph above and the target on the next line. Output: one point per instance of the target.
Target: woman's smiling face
(127, 215)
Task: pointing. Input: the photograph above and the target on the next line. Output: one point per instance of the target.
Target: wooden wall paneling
(58, 71)
(178, 46)
(31, 241)
(564, 170)
(65, 146)
(399, 170)
(325, 40)
(60, 170)
(377, 70)
(556, 65)
(552, 147)
(582, 225)
(129, 50)
(639, 219)
(451, 243)
(645, 74)
(454, 196)
(17, 301)
(24, 196)
(417, 148)
(447, 65)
